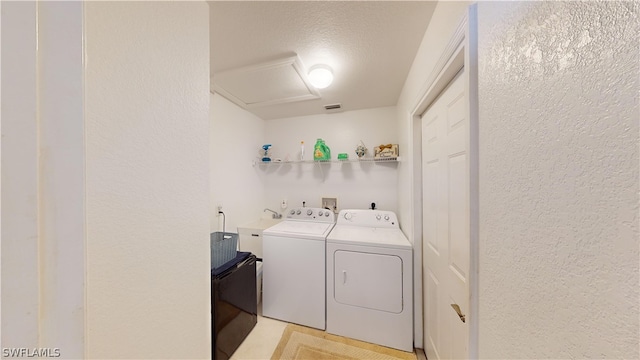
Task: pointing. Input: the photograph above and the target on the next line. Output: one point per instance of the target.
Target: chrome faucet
(275, 215)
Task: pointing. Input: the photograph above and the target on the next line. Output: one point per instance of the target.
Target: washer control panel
(312, 214)
(368, 218)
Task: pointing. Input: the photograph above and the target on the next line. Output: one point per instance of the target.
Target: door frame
(461, 52)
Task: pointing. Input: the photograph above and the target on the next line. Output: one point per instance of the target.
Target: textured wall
(236, 134)
(559, 180)
(147, 180)
(356, 185)
(245, 190)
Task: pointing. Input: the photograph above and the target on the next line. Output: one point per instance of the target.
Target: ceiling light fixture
(320, 76)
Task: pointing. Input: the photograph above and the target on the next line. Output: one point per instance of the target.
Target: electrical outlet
(283, 204)
(219, 209)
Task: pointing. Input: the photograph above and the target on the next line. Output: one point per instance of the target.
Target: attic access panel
(274, 82)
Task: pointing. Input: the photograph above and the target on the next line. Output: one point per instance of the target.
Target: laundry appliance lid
(304, 229)
(369, 236)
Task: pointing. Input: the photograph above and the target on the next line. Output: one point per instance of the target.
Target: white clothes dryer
(294, 267)
(369, 279)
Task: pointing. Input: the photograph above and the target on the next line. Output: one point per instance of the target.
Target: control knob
(386, 217)
(378, 217)
(347, 216)
(298, 212)
(309, 212)
(292, 212)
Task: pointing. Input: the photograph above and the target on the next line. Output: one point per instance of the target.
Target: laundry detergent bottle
(327, 151)
(321, 151)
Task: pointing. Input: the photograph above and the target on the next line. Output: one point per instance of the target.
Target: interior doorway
(445, 204)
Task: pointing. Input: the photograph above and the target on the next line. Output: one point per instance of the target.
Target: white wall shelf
(324, 162)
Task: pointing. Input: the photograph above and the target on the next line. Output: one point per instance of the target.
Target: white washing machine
(294, 267)
(369, 279)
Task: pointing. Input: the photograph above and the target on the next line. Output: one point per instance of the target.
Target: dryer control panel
(368, 218)
(312, 214)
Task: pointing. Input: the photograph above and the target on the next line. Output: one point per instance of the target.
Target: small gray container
(223, 248)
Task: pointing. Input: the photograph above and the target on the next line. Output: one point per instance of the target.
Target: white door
(445, 173)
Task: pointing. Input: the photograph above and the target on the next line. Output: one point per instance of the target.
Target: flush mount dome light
(320, 76)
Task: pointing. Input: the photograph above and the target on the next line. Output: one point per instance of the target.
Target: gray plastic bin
(223, 248)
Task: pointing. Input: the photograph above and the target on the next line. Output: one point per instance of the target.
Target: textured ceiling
(369, 44)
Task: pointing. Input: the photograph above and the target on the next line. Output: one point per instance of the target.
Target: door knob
(457, 309)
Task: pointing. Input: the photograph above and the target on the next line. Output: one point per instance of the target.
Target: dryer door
(371, 281)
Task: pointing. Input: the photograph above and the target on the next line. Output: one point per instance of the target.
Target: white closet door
(446, 242)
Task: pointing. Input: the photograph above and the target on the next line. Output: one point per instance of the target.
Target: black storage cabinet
(234, 308)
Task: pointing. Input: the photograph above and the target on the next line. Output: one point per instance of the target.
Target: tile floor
(262, 340)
